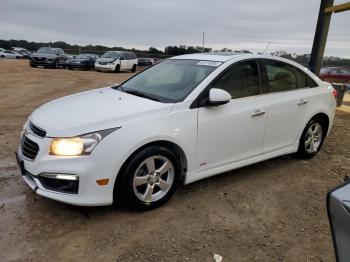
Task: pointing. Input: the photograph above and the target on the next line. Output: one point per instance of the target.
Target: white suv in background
(184, 119)
(114, 61)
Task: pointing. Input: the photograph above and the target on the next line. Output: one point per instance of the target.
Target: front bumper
(76, 65)
(87, 168)
(41, 62)
(106, 67)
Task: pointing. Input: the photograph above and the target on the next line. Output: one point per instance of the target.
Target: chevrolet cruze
(184, 119)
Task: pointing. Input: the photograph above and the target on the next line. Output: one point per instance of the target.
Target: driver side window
(241, 80)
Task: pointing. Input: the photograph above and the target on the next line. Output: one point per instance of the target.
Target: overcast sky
(248, 24)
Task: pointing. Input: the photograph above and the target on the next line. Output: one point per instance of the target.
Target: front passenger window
(241, 80)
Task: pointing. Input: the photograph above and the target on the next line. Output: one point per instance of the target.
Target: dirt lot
(272, 211)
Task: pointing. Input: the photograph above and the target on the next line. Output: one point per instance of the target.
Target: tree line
(99, 49)
(154, 52)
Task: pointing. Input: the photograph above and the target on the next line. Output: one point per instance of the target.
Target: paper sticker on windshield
(209, 63)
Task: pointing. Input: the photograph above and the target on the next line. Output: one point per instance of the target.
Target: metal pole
(320, 38)
(203, 42)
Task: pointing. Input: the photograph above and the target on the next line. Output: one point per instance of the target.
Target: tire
(55, 64)
(312, 138)
(2, 56)
(133, 69)
(160, 186)
(117, 69)
(17, 57)
(69, 68)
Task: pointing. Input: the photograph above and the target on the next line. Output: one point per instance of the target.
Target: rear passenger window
(281, 76)
(303, 80)
(241, 80)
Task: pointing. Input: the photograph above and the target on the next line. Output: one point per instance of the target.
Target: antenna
(267, 46)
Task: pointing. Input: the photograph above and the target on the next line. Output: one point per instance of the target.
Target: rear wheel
(32, 65)
(2, 56)
(149, 179)
(133, 69)
(312, 138)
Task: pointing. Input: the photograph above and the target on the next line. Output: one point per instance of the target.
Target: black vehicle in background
(48, 57)
(84, 61)
(145, 61)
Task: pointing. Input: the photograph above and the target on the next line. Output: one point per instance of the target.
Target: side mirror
(338, 209)
(218, 97)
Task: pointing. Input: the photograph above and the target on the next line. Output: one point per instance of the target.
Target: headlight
(80, 145)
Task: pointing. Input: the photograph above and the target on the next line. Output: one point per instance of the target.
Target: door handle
(302, 102)
(258, 113)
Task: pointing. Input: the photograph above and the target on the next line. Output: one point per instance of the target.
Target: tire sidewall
(124, 190)
(301, 150)
(117, 68)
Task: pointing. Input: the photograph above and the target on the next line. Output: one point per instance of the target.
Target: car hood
(105, 60)
(43, 55)
(93, 111)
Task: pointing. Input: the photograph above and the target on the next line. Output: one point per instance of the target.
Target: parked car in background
(145, 61)
(48, 57)
(184, 119)
(84, 61)
(114, 61)
(335, 74)
(26, 54)
(11, 54)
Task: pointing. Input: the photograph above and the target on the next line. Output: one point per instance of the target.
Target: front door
(233, 132)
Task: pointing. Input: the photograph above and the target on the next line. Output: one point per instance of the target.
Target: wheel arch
(324, 117)
(175, 148)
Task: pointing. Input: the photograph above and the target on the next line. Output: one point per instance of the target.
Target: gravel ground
(271, 211)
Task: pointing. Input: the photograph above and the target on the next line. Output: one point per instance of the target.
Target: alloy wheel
(313, 138)
(153, 178)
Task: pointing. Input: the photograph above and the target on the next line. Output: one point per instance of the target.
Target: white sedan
(10, 54)
(184, 119)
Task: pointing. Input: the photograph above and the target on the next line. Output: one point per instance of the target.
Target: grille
(102, 63)
(29, 148)
(40, 58)
(37, 130)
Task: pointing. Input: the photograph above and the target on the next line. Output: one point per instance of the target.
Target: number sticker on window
(209, 63)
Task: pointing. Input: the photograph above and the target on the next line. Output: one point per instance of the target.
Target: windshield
(46, 50)
(111, 54)
(83, 56)
(171, 80)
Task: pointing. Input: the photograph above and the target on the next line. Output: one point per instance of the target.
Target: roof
(220, 57)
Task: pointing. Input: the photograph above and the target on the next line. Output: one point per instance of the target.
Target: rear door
(290, 98)
(338, 208)
(123, 61)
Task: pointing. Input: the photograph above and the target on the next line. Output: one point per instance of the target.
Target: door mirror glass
(218, 97)
(338, 209)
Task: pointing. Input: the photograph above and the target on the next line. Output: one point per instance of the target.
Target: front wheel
(55, 64)
(312, 138)
(117, 68)
(133, 69)
(149, 179)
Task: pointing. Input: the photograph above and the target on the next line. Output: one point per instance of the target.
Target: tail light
(335, 93)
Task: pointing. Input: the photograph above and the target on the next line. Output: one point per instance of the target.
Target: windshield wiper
(138, 93)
